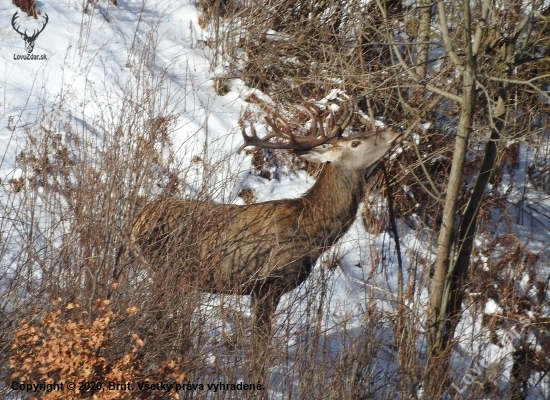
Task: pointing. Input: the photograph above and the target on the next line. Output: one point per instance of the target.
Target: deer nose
(397, 136)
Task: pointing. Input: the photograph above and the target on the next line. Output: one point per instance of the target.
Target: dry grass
(27, 6)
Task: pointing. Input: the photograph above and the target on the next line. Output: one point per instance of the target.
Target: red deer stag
(266, 249)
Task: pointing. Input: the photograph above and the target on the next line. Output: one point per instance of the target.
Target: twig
(393, 228)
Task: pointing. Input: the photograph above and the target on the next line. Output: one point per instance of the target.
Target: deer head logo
(29, 39)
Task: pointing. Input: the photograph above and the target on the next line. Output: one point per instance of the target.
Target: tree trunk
(438, 360)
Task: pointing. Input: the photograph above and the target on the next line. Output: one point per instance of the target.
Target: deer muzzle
(395, 136)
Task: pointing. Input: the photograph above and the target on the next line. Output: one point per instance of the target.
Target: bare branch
(481, 26)
(446, 38)
(444, 93)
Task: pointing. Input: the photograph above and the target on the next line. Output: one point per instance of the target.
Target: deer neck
(330, 206)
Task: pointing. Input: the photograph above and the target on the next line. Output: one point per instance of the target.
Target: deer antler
(35, 32)
(317, 135)
(46, 18)
(13, 19)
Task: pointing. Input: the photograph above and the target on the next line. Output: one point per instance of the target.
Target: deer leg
(263, 304)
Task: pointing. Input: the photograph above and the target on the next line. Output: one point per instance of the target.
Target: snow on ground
(89, 60)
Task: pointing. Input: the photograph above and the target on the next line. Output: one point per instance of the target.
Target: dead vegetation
(27, 6)
(68, 344)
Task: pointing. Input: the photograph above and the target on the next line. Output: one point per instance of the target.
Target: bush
(56, 348)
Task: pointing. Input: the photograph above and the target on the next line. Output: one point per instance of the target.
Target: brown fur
(273, 243)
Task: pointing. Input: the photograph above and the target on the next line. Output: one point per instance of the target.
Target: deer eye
(355, 143)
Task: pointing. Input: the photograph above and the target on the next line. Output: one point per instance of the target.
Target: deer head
(324, 142)
(29, 39)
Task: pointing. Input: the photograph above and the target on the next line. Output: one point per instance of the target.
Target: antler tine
(333, 129)
(276, 132)
(13, 19)
(263, 142)
(248, 140)
(343, 121)
(316, 121)
(330, 121)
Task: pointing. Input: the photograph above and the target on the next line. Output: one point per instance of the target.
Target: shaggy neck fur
(330, 206)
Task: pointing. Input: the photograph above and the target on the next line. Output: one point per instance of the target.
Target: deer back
(225, 248)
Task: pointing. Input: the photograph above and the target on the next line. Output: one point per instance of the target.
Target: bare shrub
(506, 275)
(214, 9)
(27, 6)
(67, 235)
(69, 207)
